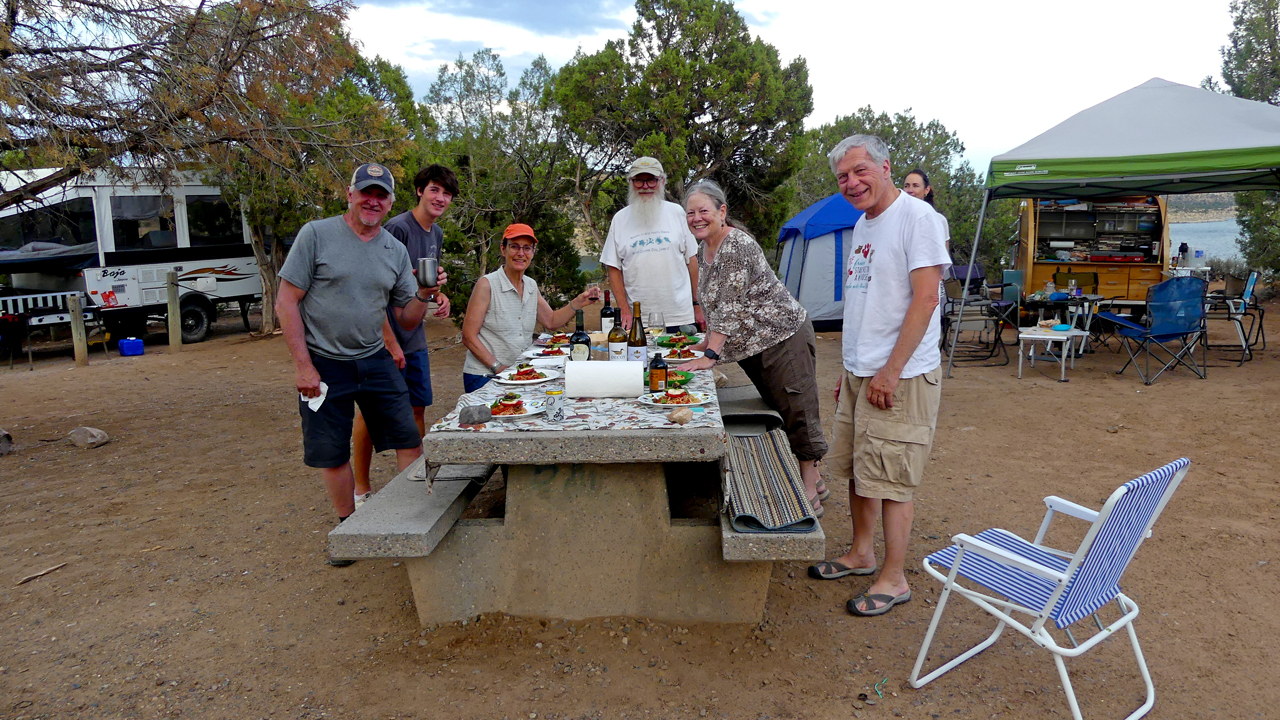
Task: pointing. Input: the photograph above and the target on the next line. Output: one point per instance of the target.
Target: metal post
(175, 313)
(79, 340)
(973, 255)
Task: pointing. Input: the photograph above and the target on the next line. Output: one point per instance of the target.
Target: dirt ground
(194, 582)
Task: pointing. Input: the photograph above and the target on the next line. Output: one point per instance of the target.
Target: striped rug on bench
(764, 488)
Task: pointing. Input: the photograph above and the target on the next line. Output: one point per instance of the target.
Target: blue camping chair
(1235, 307)
(1051, 585)
(1175, 313)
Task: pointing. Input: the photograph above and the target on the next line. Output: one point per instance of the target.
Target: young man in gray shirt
(435, 186)
(335, 286)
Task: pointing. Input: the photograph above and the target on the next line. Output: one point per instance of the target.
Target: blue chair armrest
(1121, 321)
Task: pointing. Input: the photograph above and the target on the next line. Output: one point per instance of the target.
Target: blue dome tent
(814, 250)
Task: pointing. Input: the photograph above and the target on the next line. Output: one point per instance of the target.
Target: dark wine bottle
(608, 316)
(636, 342)
(579, 341)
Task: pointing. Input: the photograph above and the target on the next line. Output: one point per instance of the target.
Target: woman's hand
(702, 363)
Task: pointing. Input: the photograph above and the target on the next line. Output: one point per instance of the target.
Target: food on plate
(558, 339)
(509, 404)
(682, 353)
(525, 371)
(552, 351)
(676, 396)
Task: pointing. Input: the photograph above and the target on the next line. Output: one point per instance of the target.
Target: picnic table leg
(1022, 350)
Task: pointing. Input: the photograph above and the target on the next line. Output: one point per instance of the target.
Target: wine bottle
(608, 316)
(617, 342)
(636, 342)
(657, 374)
(579, 341)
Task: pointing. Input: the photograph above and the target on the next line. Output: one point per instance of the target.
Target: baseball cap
(646, 164)
(373, 174)
(516, 230)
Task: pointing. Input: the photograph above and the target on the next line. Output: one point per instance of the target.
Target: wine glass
(657, 323)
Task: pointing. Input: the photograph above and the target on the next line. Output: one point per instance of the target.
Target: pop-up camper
(114, 243)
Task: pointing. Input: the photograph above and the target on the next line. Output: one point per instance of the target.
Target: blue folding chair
(1175, 313)
(1235, 309)
(1051, 585)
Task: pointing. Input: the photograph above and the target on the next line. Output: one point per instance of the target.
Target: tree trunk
(267, 266)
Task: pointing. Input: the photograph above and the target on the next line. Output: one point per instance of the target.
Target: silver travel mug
(428, 271)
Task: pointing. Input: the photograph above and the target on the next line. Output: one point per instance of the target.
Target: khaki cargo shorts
(885, 452)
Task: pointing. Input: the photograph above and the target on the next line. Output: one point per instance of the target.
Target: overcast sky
(995, 72)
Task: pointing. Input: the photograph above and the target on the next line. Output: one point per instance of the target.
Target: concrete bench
(404, 520)
(745, 413)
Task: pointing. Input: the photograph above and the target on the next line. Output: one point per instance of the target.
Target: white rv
(113, 243)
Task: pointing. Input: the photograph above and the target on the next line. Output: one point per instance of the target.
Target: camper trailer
(114, 243)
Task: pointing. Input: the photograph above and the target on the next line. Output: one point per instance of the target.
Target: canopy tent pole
(973, 255)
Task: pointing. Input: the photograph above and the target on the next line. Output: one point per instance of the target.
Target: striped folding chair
(1051, 585)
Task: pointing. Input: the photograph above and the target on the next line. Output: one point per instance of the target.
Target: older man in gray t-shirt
(335, 286)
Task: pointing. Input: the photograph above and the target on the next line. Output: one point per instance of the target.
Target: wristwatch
(418, 295)
(711, 354)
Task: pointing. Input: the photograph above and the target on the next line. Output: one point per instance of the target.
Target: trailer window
(65, 223)
(143, 222)
(211, 221)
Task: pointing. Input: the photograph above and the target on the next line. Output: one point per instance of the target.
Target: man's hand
(839, 384)
(625, 317)
(699, 318)
(397, 354)
(880, 389)
(308, 381)
(442, 306)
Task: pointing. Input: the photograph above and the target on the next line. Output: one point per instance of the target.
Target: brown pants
(786, 376)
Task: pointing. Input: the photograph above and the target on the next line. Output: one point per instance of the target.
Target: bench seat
(402, 520)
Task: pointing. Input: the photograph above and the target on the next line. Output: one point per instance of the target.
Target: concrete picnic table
(587, 529)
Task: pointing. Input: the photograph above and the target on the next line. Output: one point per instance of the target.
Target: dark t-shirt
(420, 243)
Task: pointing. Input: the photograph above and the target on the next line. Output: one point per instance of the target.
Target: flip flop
(823, 492)
(831, 570)
(816, 503)
(888, 600)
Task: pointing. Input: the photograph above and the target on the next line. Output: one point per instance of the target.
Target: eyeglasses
(645, 182)
(523, 249)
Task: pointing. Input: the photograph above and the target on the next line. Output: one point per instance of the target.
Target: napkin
(609, 379)
(315, 402)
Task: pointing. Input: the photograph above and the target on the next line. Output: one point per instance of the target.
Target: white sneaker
(360, 499)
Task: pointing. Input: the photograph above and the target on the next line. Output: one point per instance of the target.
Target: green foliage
(503, 143)
(691, 87)
(930, 146)
(1251, 69)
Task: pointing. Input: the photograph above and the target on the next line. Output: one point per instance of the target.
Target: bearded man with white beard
(650, 253)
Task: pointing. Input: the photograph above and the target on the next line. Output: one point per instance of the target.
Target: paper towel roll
(1061, 244)
(595, 379)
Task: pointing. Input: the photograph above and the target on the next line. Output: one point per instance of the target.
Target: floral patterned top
(743, 298)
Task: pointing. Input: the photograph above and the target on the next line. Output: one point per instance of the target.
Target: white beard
(647, 212)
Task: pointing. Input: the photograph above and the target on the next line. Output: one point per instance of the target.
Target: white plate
(545, 338)
(504, 377)
(648, 399)
(535, 407)
(533, 353)
(665, 351)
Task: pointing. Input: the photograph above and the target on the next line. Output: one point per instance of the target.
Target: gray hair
(875, 147)
(709, 188)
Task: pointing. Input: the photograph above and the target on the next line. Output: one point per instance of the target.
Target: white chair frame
(1036, 630)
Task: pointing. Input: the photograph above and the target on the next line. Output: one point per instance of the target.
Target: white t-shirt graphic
(877, 286)
(654, 262)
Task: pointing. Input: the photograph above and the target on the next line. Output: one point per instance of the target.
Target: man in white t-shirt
(650, 252)
(887, 399)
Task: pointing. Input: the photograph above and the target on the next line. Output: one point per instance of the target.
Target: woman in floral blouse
(754, 321)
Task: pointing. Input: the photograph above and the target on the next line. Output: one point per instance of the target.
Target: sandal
(823, 492)
(816, 503)
(871, 600)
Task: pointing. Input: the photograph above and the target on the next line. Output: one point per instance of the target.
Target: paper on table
(315, 402)
(595, 379)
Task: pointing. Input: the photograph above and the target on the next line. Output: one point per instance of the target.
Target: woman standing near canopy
(916, 184)
(754, 321)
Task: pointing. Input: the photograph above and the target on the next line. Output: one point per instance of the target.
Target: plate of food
(550, 351)
(556, 339)
(680, 354)
(525, 374)
(674, 397)
(512, 406)
(678, 340)
(675, 378)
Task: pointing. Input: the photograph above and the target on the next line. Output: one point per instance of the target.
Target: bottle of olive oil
(636, 343)
(657, 374)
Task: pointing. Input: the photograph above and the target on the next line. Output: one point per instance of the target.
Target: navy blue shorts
(377, 385)
(417, 375)
(472, 382)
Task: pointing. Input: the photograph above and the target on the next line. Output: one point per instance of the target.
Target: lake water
(1217, 239)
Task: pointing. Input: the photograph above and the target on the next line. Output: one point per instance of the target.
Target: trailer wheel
(196, 321)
